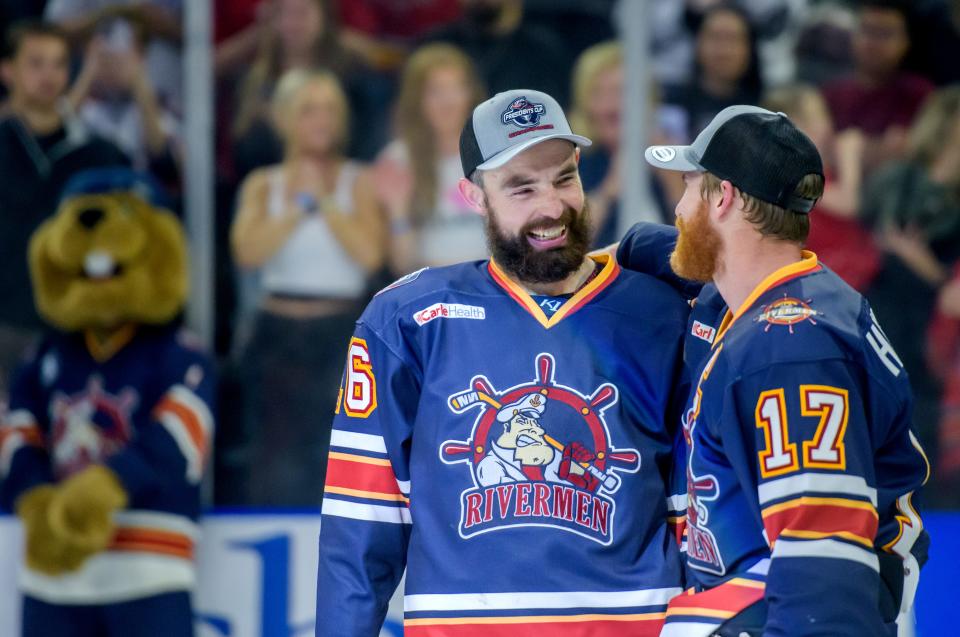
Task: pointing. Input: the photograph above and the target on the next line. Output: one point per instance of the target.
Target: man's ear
(728, 197)
(473, 195)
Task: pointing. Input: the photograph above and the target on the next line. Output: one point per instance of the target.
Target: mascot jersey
(801, 466)
(76, 402)
(513, 457)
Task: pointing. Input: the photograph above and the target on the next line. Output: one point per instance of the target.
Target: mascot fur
(109, 423)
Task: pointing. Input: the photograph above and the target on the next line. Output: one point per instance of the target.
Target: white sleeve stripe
(825, 548)
(816, 483)
(530, 600)
(143, 519)
(677, 502)
(181, 436)
(361, 442)
(404, 486)
(366, 512)
(19, 418)
(186, 397)
(10, 446)
(688, 629)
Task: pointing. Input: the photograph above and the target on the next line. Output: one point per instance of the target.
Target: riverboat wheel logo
(540, 454)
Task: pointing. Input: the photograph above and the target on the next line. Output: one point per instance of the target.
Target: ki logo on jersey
(540, 454)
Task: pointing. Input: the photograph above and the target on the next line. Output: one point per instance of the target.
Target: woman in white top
(312, 229)
(416, 175)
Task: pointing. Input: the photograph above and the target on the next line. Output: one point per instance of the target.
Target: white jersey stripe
(677, 502)
(517, 601)
(187, 398)
(141, 519)
(11, 444)
(816, 483)
(367, 512)
(18, 418)
(825, 548)
(178, 431)
(362, 442)
(688, 629)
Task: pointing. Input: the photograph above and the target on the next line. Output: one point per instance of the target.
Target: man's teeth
(548, 233)
(525, 440)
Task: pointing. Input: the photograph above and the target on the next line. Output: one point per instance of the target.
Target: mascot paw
(81, 512)
(45, 552)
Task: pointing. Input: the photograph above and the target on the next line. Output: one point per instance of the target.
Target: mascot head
(110, 256)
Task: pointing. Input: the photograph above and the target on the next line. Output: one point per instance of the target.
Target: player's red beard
(515, 254)
(698, 248)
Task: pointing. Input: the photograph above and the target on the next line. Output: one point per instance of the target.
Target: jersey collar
(102, 351)
(583, 296)
(807, 265)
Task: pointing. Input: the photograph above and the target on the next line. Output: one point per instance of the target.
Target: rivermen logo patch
(540, 454)
(787, 311)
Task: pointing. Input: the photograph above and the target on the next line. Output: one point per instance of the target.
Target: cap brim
(681, 158)
(503, 157)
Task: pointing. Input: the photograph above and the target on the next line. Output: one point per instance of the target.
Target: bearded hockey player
(526, 401)
(801, 467)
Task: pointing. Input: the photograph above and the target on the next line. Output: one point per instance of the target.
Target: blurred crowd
(337, 131)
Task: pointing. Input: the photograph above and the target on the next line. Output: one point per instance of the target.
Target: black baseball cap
(760, 152)
(507, 124)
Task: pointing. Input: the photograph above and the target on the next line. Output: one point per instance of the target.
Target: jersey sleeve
(805, 448)
(366, 522)
(24, 460)
(646, 248)
(172, 449)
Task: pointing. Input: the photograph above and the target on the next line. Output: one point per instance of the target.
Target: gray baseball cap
(509, 123)
(759, 151)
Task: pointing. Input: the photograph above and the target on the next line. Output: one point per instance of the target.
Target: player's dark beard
(523, 261)
(698, 248)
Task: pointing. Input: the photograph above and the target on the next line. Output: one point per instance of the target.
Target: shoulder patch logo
(787, 311)
(703, 332)
(407, 278)
(540, 454)
(449, 310)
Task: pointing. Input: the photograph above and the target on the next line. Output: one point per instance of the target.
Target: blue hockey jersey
(140, 405)
(514, 460)
(801, 467)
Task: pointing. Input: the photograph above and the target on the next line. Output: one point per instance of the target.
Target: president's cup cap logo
(509, 123)
(523, 113)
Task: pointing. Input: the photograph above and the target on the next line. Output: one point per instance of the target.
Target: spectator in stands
(837, 235)
(943, 358)
(824, 44)
(302, 35)
(674, 26)
(879, 98)
(914, 204)
(726, 68)
(311, 227)
(417, 173)
(383, 32)
(596, 113)
(115, 96)
(507, 50)
(41, 147)
(161, 22)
